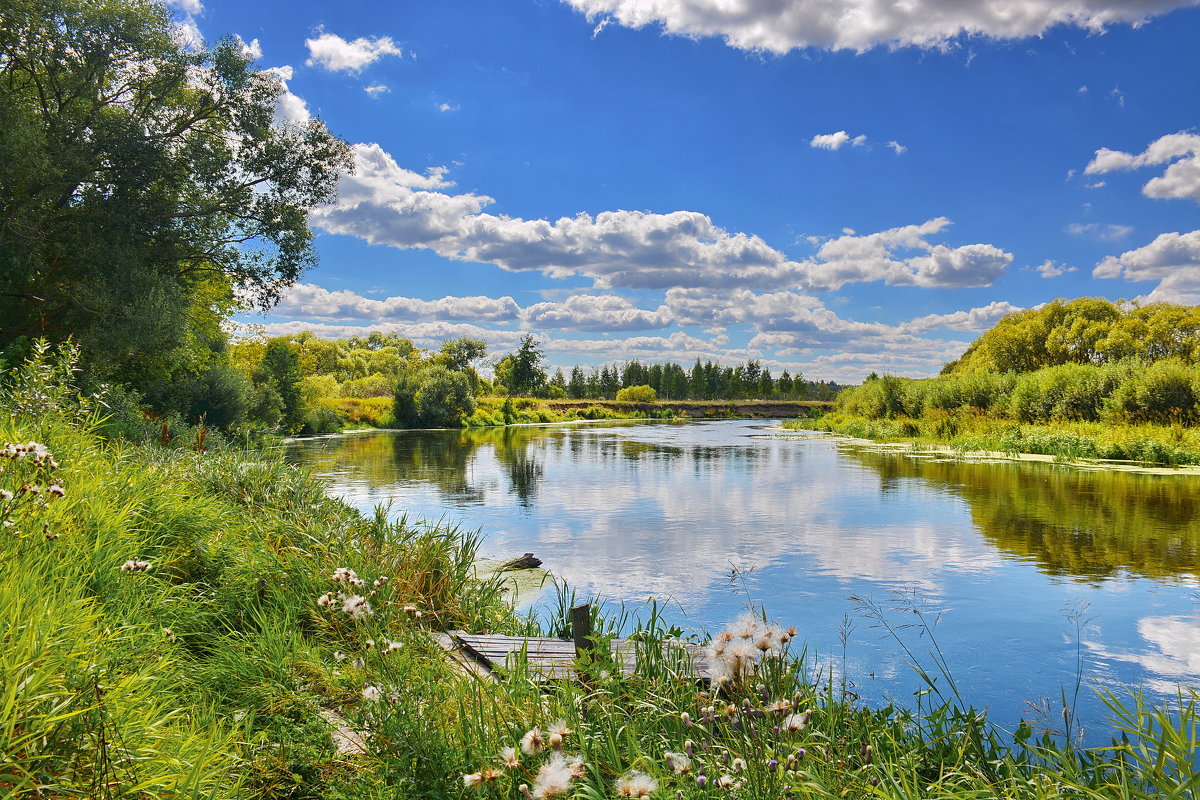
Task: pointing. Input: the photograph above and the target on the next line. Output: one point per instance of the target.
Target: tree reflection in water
(1083, 524)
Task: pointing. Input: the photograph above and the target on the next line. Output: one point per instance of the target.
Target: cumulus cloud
(876, 256)
(188, 34)
(835, 141)
(384, 203)
(1181, 180)
(897, 148)
(1048, 269)
(191, 7)
(251, 50)
(315, 302)
(596, 313)
(859, 25)
(335, 54)
(1172, 259)
(377, 90)
(976, 320)
(290, 109)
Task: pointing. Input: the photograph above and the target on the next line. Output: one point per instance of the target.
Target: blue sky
(829, 186)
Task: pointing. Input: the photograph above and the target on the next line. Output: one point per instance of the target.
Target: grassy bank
(971, 431)
(186, 624)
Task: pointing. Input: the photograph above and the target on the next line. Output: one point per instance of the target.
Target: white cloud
(1049, 269)
(290, 109)
(444, 107)
(595, 313)
(1108, 233)
(336, 54)
(898, 148)
(1181, 180)
(251, 50)
(860, 25)
(191, 7)
(377, 90)
(835, 141)
(975, 320)
(315, 302)
(386, 204)
(187, 33)
(1172, 259)
(873, 257)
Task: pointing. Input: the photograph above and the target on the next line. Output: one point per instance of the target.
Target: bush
(436, 397)
(1163, 392)
(637, 394)
(221, 395)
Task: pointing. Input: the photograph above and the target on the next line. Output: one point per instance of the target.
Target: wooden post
(581, 628)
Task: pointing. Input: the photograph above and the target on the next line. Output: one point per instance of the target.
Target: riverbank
(186, 624)
(1169, 449)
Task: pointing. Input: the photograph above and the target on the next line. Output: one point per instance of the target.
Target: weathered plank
(554, 659)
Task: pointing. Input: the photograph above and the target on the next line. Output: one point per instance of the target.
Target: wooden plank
(554, 658)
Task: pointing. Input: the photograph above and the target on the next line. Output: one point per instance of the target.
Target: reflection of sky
(669, 510)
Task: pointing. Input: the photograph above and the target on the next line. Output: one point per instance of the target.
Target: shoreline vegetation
(200, 623)
(1082, 381)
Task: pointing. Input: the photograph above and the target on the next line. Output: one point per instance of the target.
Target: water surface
(1010, 559)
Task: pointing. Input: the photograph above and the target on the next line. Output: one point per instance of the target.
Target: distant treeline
(704, 381)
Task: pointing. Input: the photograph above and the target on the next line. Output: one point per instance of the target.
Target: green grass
(209, 672)
(971, 430)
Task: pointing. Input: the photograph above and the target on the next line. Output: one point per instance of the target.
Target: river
(1024, 574)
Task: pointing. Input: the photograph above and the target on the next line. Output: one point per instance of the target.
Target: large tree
(139, 177)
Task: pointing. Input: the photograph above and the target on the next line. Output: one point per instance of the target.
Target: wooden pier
(548, 658)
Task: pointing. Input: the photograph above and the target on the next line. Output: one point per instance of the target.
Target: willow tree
(142, 183)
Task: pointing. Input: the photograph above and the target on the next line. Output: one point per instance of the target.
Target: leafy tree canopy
(142, 183)
(1089, 330)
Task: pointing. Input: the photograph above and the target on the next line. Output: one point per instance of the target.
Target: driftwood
(527, 561)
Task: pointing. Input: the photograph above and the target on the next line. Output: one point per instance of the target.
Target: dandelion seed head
(509, 757)
(636, 784)
(555, 777)
(533, 741)
(371, 693)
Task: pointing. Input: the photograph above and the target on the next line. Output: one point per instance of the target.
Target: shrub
(637, 394)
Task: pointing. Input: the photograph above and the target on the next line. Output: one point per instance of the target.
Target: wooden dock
(554, 659)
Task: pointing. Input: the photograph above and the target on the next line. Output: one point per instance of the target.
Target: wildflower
(56, 489)
(795, 722)
(686, 719)
(347, 576)
(556, 741)
(392, 647)
(781, 706)
(371, 693)
(725, 782)
(357, 607)
(358, 663)
(338, 655)
(555, 777)
(679, 763)
(169, 634)
(509, 757)
(5, 494)
(636, 784)
(560, 727)
(689, 747)
(533, 741)
(524, 790)
(133, 565)
(325, 599)
(701, 780)
(772, 764)
(739, 765)
(476, 780)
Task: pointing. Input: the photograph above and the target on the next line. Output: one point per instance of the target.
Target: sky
(832, 187)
